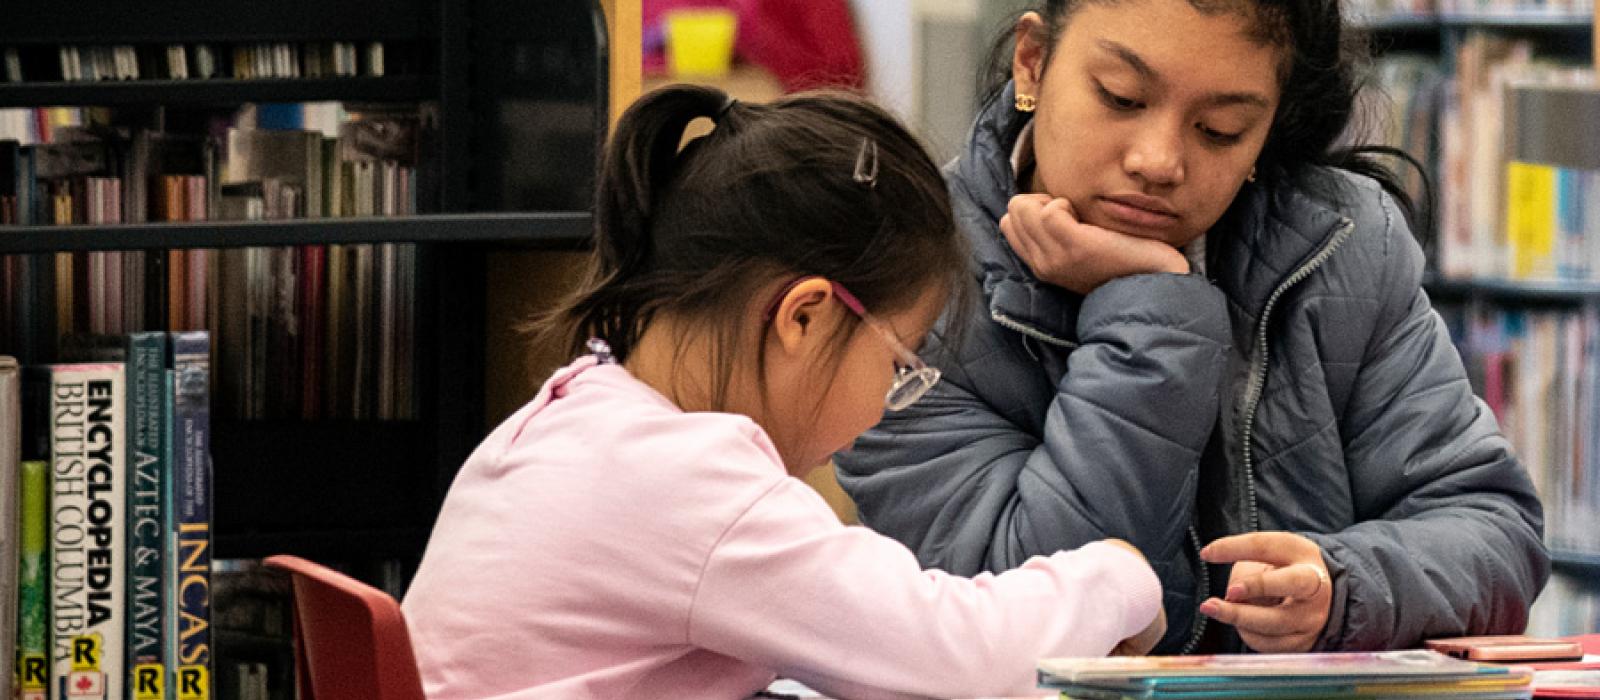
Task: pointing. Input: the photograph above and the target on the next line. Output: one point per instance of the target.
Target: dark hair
(774, 190)
(1327, 66)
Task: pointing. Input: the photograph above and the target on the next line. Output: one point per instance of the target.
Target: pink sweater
(602, 543)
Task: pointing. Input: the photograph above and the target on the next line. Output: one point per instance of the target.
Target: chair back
(351, 641)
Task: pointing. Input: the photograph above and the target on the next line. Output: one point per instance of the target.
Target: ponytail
(638, 165)
(774, 191)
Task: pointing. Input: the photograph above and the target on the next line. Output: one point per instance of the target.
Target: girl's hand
(1141, 643)
(1065, 252)
(1278, 594)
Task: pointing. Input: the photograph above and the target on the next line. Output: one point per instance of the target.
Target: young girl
(1203, 325)
(637, 530)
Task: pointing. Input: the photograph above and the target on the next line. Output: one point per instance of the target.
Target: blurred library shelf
(550, 230)
(1498, 100)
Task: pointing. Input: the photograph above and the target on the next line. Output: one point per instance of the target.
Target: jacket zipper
(1030, 331)
(1258, 365)
(1203, 583)
(1258, 380)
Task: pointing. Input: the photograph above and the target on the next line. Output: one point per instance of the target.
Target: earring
(1026, 103)
(1252, 176)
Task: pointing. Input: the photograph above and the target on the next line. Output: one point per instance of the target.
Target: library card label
(147, 682)
(193, 683)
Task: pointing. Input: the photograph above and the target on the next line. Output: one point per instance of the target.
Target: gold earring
(1252, 176)
(1026, 103)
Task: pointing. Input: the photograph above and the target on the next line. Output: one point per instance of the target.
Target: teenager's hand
(1065, 252)
(1279, 591)
(1141, 643)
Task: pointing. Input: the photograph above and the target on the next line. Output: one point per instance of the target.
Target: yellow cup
(700, 41)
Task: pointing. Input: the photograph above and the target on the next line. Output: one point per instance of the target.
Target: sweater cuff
(1133, 579)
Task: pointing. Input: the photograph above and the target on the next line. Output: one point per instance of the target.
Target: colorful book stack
(108, 476)
(204, 61)
(1538, 369)
(332, 326)
(1552, 174)
(1400, 109)
(1396, 674)
(1473, 168)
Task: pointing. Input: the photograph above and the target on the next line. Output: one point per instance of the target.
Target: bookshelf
(551, 230)
(1513, 291)
(403, 88)
(1523, 316)
(1559, 21)
(1577, 563)
(1430, 22)
(522, 94)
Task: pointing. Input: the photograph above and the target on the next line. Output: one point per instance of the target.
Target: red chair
(350, 638)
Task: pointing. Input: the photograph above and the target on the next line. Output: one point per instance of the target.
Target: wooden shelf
(547, 230)
(219, 91)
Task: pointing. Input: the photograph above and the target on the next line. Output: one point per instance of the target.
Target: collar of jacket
(1268, 232)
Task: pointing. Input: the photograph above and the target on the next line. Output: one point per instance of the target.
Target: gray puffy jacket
(1307, 386)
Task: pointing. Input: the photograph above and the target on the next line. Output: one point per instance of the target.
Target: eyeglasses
(912, 378)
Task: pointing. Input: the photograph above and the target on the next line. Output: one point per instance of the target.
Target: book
(169, 584)
(1324, 675)
(1537, 368)
(1576, 679)
(147, 504)
(88, 458)
(13, 65)
(10, 522)
(191, 507)
(1249, 666)
(33, 583)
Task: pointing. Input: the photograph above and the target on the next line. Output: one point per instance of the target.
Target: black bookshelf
(217, 91)
(1433, 22)
(1568, 22)
(1583, 564)
(1514, 291)
(326, 544)
(1397, 23)
(518, 94)
(550, 230)
(173, 21)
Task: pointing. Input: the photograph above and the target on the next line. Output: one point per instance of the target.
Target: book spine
(192, 512)
(88, 495)
(1530, 219)
(147, 505)
(10, 456)
(33, 582)
(169, 530)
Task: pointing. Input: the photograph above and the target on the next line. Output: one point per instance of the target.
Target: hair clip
(601, 351)
(867, 163)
